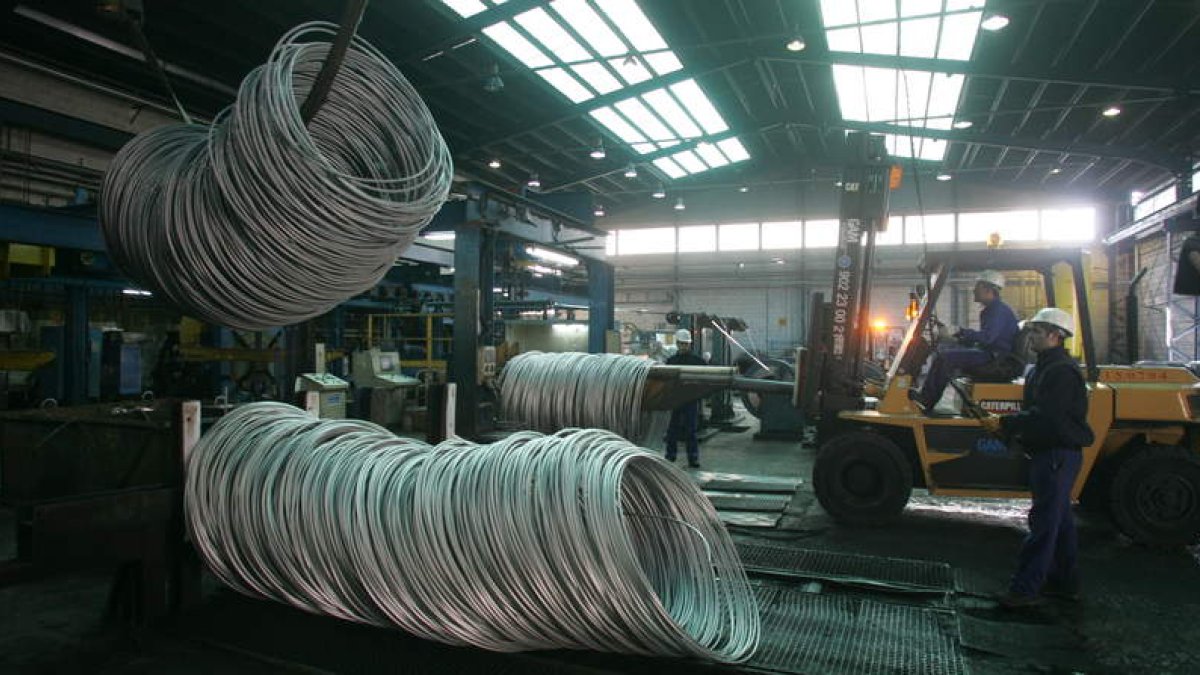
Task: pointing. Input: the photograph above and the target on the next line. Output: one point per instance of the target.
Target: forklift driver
(971, 349)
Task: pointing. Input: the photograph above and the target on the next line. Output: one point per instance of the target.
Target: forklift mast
(863, 212)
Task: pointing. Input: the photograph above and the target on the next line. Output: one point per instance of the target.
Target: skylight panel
(689, 161)
(956, 5)
(875, 10)
(695, 102)
(669, 167)
(668, 144)
(588, 24)
(912, 96)
(839, 12)
(565, 84)
(733, 149)
(627, 16)
(933, 149)
(882, 38)
(644, 148)
(851, 92)
(465, 8)
(880, 84)
(617, 124)
(711, 155)
(631, 69)
(919, 37)
(919, 7)
(514, 43)
(596, 75)
(958, 36)
(553, 37)
(943, 97)
(644, 120)
(844, 40)
(663, 63)
(669, 110)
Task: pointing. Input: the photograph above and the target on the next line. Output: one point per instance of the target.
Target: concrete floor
(1138, 614)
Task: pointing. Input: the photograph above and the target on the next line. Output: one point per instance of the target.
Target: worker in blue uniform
(685, 420)
(971, 348)
(1052, 426)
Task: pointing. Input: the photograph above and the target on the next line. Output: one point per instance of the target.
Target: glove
(991, 424)
(943, 332)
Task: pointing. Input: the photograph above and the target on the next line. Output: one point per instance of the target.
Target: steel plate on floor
(737, 501)
(738, 482)
(748, 519)
(847, 567)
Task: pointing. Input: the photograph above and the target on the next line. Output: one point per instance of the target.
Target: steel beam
(61, 126)
(464, 362)
(601, 303)
(75, 346)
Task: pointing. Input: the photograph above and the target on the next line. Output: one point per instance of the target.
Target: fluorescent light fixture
(631, 171)
(598, 211)
(669, 167)
(943, 177)
(514, 43)
(497, 289)
(137, 292)
(565, 83)
(597, 151)
(963, 124)
(659, 192)
(440, 235)
(994, 22)
(1111, 111)
(679, 205)
(550, 256)
(465, 8)
(494, 163)
(796, 44)
(533, 181)
(542, 269)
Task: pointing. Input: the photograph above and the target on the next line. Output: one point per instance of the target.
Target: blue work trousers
(684, 421)
(1049, 552)
(946, 363)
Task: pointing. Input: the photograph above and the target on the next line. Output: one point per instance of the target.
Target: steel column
(464, 362)
(601, 303)
(75, 346)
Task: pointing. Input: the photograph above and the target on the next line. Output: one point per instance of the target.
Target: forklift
(875, 445)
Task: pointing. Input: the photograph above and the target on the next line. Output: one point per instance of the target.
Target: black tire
(862, 478)
(1096, 497)
(1156, 496)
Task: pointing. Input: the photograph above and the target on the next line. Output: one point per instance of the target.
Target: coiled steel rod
(576, 540)
(260, 220)
(548, 392)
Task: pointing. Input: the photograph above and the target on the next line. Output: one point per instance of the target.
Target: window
(698, 239)
(933, 228)
(783, 235)
(893, 235)
(975, 228)
(821, 233)
(1155, 202)
(643, 241)
(610, 244)
(1078, 224)
(739, 237)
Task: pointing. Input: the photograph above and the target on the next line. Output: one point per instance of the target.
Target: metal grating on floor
(813, 564)
(737, 501)
(817, 633)
(749, 519)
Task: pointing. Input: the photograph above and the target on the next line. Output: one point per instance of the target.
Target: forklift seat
(1010, 366)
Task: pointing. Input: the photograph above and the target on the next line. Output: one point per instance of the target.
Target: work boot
(1015, 601)
(914, 395)
(1066, 591)
(693, 464)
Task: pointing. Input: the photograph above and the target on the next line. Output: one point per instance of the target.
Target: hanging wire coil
(577, 540)
(260, 221)
(548, 392)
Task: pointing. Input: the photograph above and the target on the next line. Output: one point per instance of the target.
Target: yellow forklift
(1143, 469)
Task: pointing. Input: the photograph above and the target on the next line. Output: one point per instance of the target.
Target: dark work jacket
(1054, 413)
(688, 358)
(997, 329)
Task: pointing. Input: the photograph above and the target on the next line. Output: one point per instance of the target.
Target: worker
(686, 418)
(1052, 426)
(971, 348)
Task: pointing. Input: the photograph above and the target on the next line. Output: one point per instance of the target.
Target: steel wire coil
(547, 392)
(259, 220)
(576, 540)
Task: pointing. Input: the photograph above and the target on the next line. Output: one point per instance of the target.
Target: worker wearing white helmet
(966, 349)
(1052, 427)
(685, 419)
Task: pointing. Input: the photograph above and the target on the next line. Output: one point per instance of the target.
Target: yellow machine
(1143, 469)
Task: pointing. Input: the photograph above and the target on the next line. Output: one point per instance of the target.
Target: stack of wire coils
(575, 540)
(260, 220)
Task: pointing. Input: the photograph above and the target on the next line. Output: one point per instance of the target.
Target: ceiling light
(963, 124)
(598, 211)
(1111, 111)
(440, 235)
(550, 256)
(533, 181)
(492, 83)
(597, 150)
(744, 188)
(796, 44)
(679, 205)
(542, 269)
(659, 192)
(136, 292)
(494, 163)
(741, 265)
(944, 177)
(778, 261)
(994, 22)
(631, 171)
(1056, 170)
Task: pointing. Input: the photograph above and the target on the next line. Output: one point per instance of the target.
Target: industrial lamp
(493, 83)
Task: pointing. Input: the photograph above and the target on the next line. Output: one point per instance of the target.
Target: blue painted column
(75, 346)
(601, 305)
(464, 361)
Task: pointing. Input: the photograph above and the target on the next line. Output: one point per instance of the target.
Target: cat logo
(998, 407)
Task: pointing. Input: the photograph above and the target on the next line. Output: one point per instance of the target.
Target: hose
(548, 392)
(576, 540)
(259, 220)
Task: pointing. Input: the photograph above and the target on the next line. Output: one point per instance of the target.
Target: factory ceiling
(1094, 96)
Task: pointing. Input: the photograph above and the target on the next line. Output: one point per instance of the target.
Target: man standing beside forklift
(973, 348)
(1052, 426)
(685, 420)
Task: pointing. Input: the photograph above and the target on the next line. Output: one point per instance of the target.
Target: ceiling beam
(467, 29)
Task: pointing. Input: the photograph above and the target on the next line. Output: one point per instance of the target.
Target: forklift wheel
(862, 479)
(1156, 496)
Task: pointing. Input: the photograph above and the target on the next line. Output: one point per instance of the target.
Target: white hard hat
(991, 277)
(1056, 317)
(683, 335)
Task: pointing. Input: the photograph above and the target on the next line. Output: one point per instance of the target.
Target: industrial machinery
(379, 381)
(325, 394)
(1144, 467)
